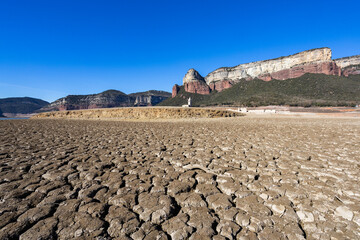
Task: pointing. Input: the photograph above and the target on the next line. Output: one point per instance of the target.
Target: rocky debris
(344, 212)
(243, 178)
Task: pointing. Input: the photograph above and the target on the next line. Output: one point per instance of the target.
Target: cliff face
(195, 83)
(107, 99)
(269, 67)
(293, 66)
(347, 61)
(351, 70)
(350, 65)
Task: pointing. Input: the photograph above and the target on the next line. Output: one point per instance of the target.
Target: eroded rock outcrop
(347, 61)
(349, 65)
(195, 83)
(268, 67)
(351, 70)
(312, 61)
(175, 90)
(327, 67)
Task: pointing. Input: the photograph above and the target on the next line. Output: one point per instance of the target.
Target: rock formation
(350, 65)
(107, 99)
(195, 83)
(175, 90)
(293, 66)
(347, 61)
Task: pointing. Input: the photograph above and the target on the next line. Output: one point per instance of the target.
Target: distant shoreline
(15, 118)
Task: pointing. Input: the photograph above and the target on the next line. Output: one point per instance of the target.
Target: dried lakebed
(238, 178)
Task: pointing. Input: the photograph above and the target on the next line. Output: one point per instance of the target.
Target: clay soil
(225, 178)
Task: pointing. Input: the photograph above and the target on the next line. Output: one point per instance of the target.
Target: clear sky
(53, 48)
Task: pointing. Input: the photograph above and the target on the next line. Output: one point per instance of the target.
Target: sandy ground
(253, 177)
(139, 113)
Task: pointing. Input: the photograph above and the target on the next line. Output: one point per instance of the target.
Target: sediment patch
(146, 113)
(228, 178)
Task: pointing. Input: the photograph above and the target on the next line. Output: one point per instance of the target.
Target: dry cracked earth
(241, 178)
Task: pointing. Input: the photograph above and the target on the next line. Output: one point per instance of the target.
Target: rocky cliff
(293, 66)
(308, 90)
(349, 65)
(195, 83)
(347, 61)
(107, 99)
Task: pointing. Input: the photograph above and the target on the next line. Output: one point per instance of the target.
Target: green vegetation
(307, 90)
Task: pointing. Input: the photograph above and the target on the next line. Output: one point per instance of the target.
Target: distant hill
(307, 90)
(152, 93)
(20, 105)
(107, 99)
(1, 115)
(152, 97)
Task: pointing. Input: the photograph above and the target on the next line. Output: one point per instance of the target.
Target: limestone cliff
(312, 61)
(274, 68)
(347, 61)
(349, 65)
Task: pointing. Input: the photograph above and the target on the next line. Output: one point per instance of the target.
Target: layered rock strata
(175, 90)
(195, 83)
(349, 65)
(293, 66)
(347, 61)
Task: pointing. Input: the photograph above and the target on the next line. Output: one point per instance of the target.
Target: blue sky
(50, 49)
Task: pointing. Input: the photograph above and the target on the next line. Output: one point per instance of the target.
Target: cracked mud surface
(243, 178)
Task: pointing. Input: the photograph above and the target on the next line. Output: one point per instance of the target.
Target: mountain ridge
(107, 99)
(317, 61)
(20, 105)
(307, 90)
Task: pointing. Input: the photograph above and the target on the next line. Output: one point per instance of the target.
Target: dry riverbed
(225, 178)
